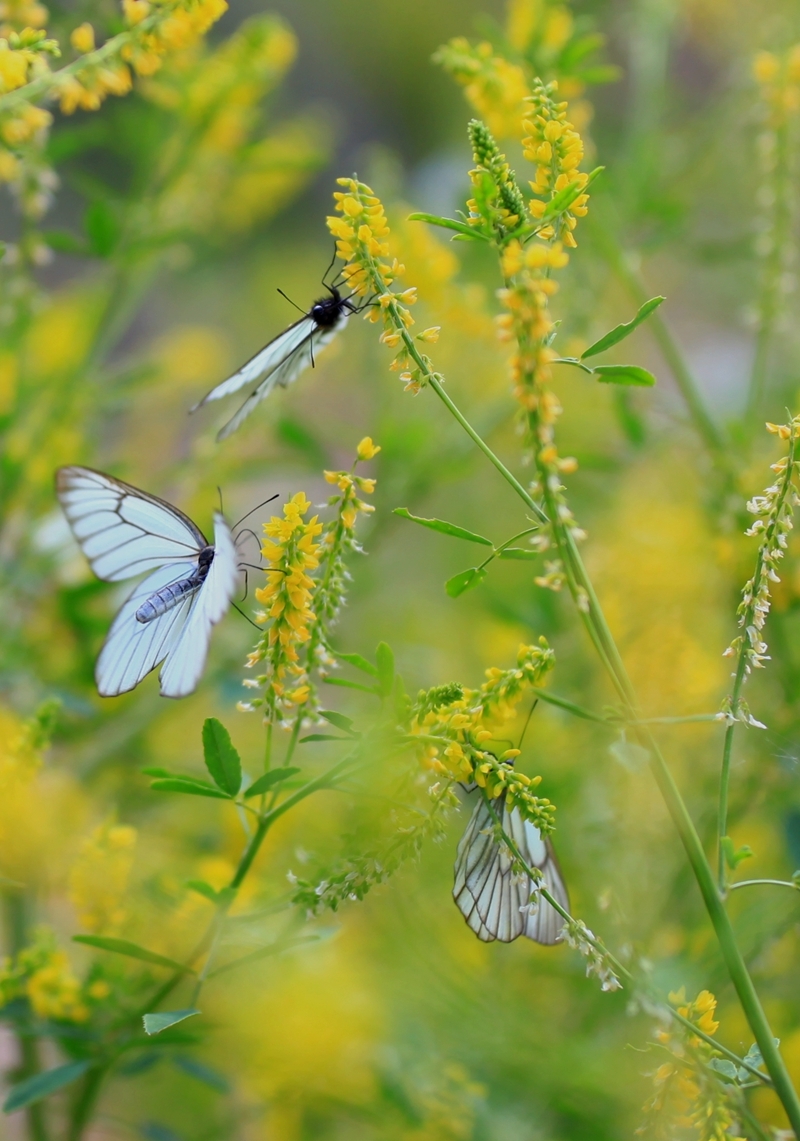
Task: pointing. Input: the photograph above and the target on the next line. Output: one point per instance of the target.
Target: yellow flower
(366, 450)
(13, 67)
(54, 992)
(82, 38)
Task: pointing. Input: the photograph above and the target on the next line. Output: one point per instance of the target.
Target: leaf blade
(222, 760)
(620, 332)
(466, 580)
(443, 527)
(628, 374)
(132, 950)
(269, 779)
(42, 1085)
(189, 787)
(162, 1019)
(358, 661)
(448, 224)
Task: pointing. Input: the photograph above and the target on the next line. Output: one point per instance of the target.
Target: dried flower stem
(774, 511)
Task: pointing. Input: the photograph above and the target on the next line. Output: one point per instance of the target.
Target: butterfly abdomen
(175, 592)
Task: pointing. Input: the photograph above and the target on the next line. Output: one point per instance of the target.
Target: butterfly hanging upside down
(190, 582)
(285, 357)
(496, 901)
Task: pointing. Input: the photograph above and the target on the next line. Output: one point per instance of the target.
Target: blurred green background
(181, 210)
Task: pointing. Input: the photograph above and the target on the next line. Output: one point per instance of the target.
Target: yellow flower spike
(82, 38)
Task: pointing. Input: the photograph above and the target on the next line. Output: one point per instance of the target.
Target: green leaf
(201, 1073)
(102, 228)
(63, 242)
(323, 737)
(466, 580)
(42, 1085)
(449, 224)
(624, 374)
(726, 1068)
(564, 199)
(518, 553)
(190, 787)
(269, 780)
(203, 888)
(357, 661)
(445, 528)
(339, 720)
(222, 760)
(620, 332)
(155, 1023)
(345, 684)
(132, 950)
(155, 771)
(384, 659)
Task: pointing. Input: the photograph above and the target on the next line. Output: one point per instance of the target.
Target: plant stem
(17, 928)
(619, 967)
(775, 883)
(88, 1093)
(601, 635)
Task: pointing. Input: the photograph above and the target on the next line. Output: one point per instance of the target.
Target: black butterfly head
(328, 310)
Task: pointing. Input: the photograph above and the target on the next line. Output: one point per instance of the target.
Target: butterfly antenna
(330, 267)
(292, 302)
(219, 493)
(246, 618)
(256, 508)
(246, 581)
(527, 722)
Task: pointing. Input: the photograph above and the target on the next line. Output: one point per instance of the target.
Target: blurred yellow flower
(98, 880)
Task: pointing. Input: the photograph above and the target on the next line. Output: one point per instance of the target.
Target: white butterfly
(189, 585)
(284, 358)
(495, 902)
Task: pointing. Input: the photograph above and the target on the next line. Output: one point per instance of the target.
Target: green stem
(599, 946)
(18, 934)
(49, 82)
(83, 1106)
(602, 637)
(755, 883)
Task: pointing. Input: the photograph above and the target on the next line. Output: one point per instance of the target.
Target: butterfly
(189, 582)
(494, 901)
(284, 358)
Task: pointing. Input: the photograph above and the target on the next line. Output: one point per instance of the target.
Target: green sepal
(464, 581)
(620, 332)
(444, 527)
(222, 760)
(269, 780)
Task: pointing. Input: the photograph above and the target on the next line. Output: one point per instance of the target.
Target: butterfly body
(282, 360)
(174, 593)
(188, 585)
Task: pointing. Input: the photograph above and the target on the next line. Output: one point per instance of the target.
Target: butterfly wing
(124, 531)
(285, 371)
(187, 652)
(491, 898)
(132, 648)
(265, 361)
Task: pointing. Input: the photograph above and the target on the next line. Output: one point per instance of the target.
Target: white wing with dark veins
(124, 531)
(495, 902)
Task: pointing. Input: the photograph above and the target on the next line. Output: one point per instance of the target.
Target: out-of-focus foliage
(153, 199)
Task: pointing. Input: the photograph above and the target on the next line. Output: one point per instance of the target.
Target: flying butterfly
(494, 900)
(284, 358)
(189, 582)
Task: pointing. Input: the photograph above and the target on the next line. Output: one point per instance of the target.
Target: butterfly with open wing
(285, 357)
(492, 897)
(188, 587)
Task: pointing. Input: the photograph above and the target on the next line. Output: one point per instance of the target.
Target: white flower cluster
(773, 511)
(598, 962)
